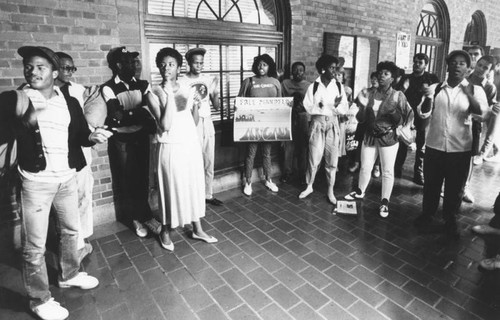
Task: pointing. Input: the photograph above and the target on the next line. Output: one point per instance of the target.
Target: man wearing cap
(128, 149)
(50, 131)
(450, 106)
(205, 90)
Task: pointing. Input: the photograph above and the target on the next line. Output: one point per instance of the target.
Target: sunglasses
(69, 69)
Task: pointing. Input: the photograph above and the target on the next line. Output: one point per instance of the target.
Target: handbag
(406, 133)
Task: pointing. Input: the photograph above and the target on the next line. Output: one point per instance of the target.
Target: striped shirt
(128, 96)
(53, 121)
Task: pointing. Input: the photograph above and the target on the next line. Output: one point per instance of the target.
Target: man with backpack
(450, 106)
(50, 130)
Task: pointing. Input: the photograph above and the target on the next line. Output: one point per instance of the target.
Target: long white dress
(181, 176)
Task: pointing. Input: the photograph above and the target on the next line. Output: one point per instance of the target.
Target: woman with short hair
(383, 112)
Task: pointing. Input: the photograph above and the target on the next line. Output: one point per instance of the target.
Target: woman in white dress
(181, 176)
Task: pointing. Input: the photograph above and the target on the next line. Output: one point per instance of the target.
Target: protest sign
(262, 119)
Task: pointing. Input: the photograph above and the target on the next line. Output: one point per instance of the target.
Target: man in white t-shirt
(50, 130)
(205, 90)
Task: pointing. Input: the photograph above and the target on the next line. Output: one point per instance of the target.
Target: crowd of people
(56, 120)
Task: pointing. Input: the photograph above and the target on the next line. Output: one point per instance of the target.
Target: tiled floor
(279, 257)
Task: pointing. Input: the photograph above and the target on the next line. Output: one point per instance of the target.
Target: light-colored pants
(492, 134)
(36, 201)
(85, 182)
(206, 134)
(323, 141)
(387, 159)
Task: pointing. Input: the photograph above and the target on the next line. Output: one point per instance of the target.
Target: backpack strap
(316, 84)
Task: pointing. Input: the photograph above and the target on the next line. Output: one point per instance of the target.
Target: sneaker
(247, 190)
(153, 225)
(354, 195)
(384, 211)
(51, 310)
(271, 186)
(139, 228)
(490, 264)
(468, 197)
(477, 160)
(376, 171)
(82, 281)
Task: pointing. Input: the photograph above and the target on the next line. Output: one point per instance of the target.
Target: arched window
(475, 33)
(433, 33)
(232, 31)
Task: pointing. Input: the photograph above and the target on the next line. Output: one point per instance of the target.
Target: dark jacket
(18, 116)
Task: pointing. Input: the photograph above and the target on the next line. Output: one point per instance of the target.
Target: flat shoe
(169, 247)
(210, 239)
(486, 230)
(305, 193)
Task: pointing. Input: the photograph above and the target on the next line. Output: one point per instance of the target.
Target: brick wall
(379, 18)
(85, 29)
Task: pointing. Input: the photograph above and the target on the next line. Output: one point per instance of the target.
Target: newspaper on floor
(345, 207)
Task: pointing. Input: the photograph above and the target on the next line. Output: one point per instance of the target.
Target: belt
(321, 117)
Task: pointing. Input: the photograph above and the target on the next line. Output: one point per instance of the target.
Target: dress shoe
(164, 244)
(208, 239)
(485, 229)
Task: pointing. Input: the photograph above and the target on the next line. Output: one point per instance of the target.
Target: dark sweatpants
(452, 167)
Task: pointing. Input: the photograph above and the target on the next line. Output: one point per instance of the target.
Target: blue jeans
(36, 200)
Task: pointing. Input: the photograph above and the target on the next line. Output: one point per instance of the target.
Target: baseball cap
(117, 54)
(459, 53)
(194, 51)
(30, 51)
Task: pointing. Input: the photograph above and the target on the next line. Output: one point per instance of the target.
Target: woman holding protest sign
(325, 100)
(263, 85)
(181, 177)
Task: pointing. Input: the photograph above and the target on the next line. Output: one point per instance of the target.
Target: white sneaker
(306, 193)
(271, 186)
(353, 196)
(247, 190)
(477, 160)
(82, 281)
(51, 310)
(140, 229)
(384, 211)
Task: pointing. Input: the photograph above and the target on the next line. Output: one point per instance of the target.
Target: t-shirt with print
(260, 87)
(200, 87)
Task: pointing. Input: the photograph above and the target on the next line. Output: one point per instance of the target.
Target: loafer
(51, 310)
(490, 264)
(486, 230)
(153, 225)
(82, 281)
(208, 239)
(214, 201)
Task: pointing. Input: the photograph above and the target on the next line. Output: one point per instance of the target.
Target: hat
(194, 51)
(459, 53)
(30, 51)
(117, 54)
